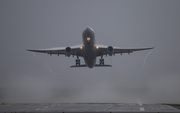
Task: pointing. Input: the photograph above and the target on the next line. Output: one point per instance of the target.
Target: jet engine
(68, 51)
(110, 50)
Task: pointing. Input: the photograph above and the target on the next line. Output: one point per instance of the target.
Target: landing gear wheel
(101, 61)
(77, 62)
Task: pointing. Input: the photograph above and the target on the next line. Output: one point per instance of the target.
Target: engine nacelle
(110, 50)
(68, 51)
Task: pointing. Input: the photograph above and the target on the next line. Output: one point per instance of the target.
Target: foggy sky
(27, 77)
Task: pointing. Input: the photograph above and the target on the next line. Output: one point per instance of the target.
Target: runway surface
(88, 108)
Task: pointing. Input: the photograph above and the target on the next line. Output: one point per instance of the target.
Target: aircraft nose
(89, 28)
(88, 32)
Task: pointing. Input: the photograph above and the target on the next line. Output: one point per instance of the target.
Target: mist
(141, 77)
(92, 89)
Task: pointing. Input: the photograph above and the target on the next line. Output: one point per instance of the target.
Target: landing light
(80, 47)
(88, 39)
(97, 47)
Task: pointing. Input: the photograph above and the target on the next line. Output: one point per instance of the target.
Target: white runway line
(46, 107)
(140, 104)
(120, 104)
(142, 109)
(37, 109)
(109, 107)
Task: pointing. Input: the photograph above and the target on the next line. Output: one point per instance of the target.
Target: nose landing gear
(88, 42)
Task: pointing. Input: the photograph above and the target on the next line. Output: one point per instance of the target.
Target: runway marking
(131, 104)
(142, 109)
(46, 106)
(37, 109)
(140, 104)
(52, 106)
(109, 108)
(120, 104)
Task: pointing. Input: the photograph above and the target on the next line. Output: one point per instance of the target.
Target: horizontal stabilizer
(96, 65)
(105, 65)
(79, 65)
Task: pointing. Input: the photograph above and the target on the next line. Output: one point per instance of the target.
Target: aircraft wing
(75, 50)
(103, 50)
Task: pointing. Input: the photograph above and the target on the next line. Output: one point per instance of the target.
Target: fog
(141, 77)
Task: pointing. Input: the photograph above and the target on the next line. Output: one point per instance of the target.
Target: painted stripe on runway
(37, 109)
(142, 109)
(140, 104)
(109, 107)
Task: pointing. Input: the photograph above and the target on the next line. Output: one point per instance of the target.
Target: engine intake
(68, 51)
(110, 50)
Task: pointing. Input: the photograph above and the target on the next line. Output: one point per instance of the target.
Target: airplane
(89, 51)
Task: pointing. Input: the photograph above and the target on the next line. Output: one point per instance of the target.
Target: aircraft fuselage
(89, 49)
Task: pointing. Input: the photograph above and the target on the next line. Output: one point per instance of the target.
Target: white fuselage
(89, 49)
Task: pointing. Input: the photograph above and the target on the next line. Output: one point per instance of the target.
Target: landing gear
(101, 61)
(77, 61)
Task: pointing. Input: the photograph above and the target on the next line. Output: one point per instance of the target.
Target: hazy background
(27, 77)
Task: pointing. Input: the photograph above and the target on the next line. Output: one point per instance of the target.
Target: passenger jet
(89, 51)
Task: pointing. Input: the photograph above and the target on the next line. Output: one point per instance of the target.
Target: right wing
(75, 50)
(103, 50)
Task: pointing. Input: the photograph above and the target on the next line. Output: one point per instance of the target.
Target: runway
(88, 108)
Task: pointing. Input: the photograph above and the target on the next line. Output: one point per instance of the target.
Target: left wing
(75, 50)
(103, 50)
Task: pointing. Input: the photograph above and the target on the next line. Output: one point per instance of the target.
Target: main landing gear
(101, 61)
(77, 61)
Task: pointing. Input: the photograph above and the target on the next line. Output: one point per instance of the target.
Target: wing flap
(103, 50)
(48, 51)
(120, 50)
(75, 50)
